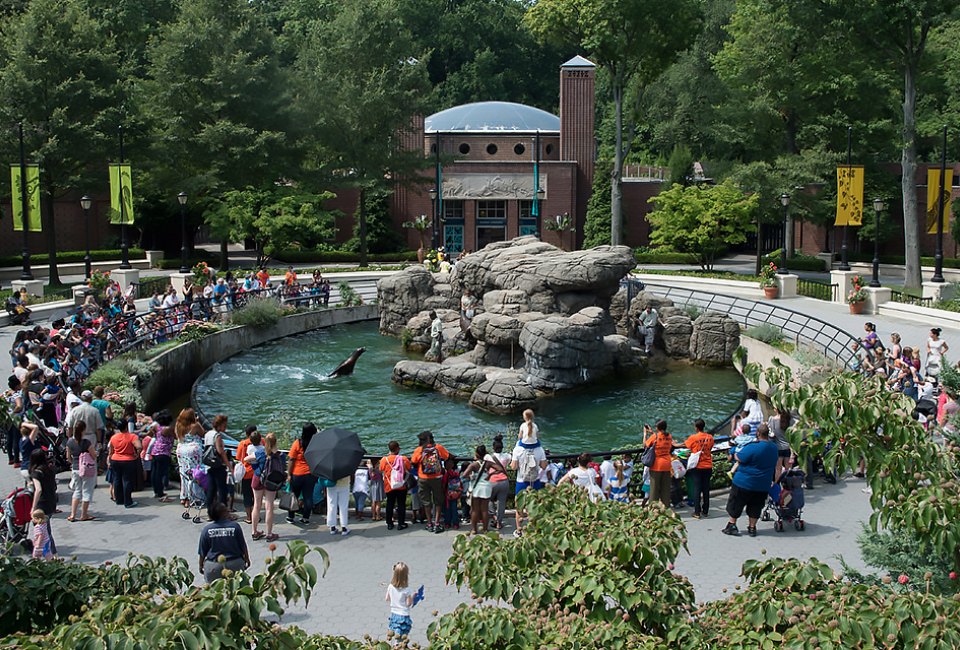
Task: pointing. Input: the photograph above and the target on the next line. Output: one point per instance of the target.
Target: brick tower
(577, 77)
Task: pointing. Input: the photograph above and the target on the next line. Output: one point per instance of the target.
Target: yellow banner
(121, 194)
(849, 195)
(33, 198)
(933, 199)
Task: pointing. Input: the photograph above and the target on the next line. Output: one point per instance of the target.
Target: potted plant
(768, 281)
(421, 224)
(98, 282)
(857, 298)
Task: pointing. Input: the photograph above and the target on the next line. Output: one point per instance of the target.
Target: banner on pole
(933, 199)
(33, 198)
(849, 195)
(121, 194)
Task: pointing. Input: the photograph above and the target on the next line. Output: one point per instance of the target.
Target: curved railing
(834, 342)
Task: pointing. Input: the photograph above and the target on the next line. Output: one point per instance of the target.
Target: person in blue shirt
(757, 463)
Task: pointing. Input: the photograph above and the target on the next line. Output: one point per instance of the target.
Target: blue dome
(485, 117)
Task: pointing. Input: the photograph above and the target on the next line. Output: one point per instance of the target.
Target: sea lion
(346, 368)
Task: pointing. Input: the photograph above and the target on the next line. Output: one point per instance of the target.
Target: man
(102, 405)
(701, 442)
(90, 416)
(647, 326)
(436, 336)
(757, 462)
(428, 458)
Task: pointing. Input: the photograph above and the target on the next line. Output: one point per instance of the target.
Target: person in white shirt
(584, 476)
(400, 599)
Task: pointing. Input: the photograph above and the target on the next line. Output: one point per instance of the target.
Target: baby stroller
(51, 441)
(15, 514)
(197, 489)
(19, 314)
(786, 499)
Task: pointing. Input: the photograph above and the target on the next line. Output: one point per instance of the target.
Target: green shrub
(121, 373)
(327, 257)
(799, 261)
(766, 333)
(693, 311)
(719, 479)
(259, 313)
(196, 330)
(655, 256)
(897, 553)
(199, 255)
(348, 296)
(68, 257)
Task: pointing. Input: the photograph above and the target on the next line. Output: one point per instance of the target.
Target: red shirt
(418, 456)
(386, 467)
(122, 444)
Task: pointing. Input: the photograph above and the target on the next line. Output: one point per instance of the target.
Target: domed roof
(484, 117)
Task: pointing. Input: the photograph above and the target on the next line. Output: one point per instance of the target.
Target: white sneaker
(333, 530)
(344, 532)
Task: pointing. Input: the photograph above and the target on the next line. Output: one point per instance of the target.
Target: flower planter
(770, 293)
(857, 307)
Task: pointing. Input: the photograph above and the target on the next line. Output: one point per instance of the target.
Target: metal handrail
(907, 299)
(833, 341)
(814, 289)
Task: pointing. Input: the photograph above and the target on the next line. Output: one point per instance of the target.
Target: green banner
(121, 194)
(33, 198)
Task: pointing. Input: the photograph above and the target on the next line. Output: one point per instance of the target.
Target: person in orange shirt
(124, 448)
(263, 277)
(428, 458)
(660, 471)
(246, 489)
(702, 442)
(302, 480)
(290, 278)
(395, 469)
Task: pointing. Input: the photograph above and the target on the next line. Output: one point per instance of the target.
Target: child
(619, 481)
(361, 488)
(745, 437)
(376, 489)
(42, 542)
(400, 599)
(453, 489)
(529, 434)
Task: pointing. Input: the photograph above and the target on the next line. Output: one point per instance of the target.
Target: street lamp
(182, 200)
(785, 202)
(541, 193)
(878, 207)
(433, 225)
(85, 203)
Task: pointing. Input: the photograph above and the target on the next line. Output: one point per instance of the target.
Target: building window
(453, 237)
(549, 149)
(491, 149)
(491, 209)
(525, 209)
(433, 148)
(519, 149)
(453, 210)
(464, 148)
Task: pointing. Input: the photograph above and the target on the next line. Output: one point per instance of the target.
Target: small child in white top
(361, 489)
(529, 434)
(400, 599)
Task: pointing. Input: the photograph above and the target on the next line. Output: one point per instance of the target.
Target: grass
(718, 275)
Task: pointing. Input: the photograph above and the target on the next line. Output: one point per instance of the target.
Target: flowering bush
(201, 274)
(768, 275)
(858, 293)
(433, 259)
(99, 281)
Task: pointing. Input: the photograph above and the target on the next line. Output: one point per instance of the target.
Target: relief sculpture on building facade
(491, 186)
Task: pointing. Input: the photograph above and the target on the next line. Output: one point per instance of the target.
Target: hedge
(666, 257)
(212, 259)
(948, 262)
(798, 263)
(326, 257)
(67, 257)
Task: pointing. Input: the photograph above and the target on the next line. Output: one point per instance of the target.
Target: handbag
(238, 471)
(210, 456)
(288, 502)
(694, 460)
(649, 456)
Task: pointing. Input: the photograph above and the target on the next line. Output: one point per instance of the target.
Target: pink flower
(953, 575)
(903, 579)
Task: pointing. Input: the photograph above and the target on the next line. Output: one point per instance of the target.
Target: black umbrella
(334, 453)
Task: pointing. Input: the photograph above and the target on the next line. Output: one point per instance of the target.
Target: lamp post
(182, 200)
(85, 203)
(433, 224)
(25, 273)
(877, 209)
(785, 202)
(540, 194)
(124, 244)
(938, 256)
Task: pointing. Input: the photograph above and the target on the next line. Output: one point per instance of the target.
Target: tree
(702, 219)
(359, 111)
(381, 236)
(596, 225)
(59, 76)
(421, 224)
(632, 41)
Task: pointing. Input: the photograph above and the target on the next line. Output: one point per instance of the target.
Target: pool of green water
(281, 384)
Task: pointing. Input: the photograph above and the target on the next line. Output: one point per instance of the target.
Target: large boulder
(627, 354)
(498, 356)
(677, 329)
(509, 302)
(416, 374)
(503, 394)
(459, 380)
(567, 351)
(401, 296)
(714, 338)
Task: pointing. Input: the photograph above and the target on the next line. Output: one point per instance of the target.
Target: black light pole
(433, 223)
(182, 200)
(844, 266)
(938, 257)
(540, 194)
(85, 203)
(124, 246)
(785, 202)
(25, 273)
(877, 209)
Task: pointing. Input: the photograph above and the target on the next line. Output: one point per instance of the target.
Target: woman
(260, 457)
(499, 482)
(189, 451)
(217, 473)
(660, 470)
(302, 480)
(585, 477)
(778, 425)
(124, 450)
(44, 488)
(936, 349)
(161, 449)
(477, 477)
(84, 472)
(896, 351)
(222, 545)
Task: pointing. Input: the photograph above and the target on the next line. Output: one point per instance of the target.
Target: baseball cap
(86, 395)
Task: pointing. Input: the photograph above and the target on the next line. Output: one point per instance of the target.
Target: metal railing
(818, 290)
(834, 342)
(907, 299)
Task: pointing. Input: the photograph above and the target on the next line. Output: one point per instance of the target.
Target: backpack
(87, 465)
(454, 488)
(398, 478)
(430, 462)
(528, 469)
(272, 475)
